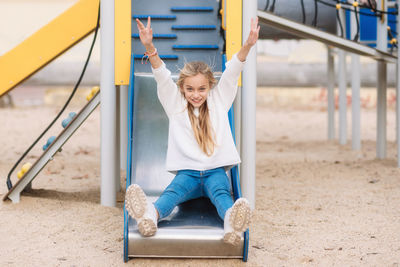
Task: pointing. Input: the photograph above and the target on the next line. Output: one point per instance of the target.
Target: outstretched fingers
(140, 25)
(148, 22)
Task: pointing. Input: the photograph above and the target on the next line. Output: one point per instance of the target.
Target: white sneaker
(140, 209)
(236, 221)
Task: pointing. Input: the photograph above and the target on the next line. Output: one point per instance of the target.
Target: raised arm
(146, 38)
(227, 86)
(251, 40)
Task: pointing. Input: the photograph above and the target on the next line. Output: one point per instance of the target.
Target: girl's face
(195, 89)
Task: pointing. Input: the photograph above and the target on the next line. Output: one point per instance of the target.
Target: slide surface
(183, 32)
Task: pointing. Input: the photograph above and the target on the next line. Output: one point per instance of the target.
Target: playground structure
(182, 36)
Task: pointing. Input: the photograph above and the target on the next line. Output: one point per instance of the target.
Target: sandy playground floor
(318, 203)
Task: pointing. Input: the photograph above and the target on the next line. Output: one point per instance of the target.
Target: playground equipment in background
(92, 93)
(25, 168)
(49, 141)
(53, 145)
(66, 121)
(38, 44)
(47, 44)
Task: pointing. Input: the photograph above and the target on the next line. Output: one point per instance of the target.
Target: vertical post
(342, 84)
(381, 44)
(331, 94)
(355, 90)
(123, 101)
(117, 141)
(108, 111)
(249, 110)
(398, 91)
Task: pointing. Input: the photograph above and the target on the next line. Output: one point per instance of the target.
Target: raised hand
(254, 30)
(145, 33)
(251, 40)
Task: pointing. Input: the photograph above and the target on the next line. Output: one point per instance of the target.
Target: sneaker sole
(232, 238)
(240, 215)
(135, 201)
(147, 227)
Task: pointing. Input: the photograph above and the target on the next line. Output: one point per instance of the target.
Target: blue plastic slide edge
(237, 191)
(129, 153)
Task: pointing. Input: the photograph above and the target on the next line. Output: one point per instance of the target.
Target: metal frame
(110, 169)
(54, 147)
(355, 91)
(327, 38)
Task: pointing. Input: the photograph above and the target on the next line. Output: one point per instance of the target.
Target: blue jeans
(190, 184)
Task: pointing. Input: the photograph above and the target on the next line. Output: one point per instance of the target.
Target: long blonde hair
(201, 125)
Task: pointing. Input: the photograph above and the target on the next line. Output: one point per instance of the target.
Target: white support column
(342, 84)
(124, 96)
(248, 137)
(331, 93)
(398, 91)
(117, 141)
(355, 90)
(381, 44)
(108, 95)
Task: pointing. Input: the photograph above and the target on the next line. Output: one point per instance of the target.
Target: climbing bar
(166, 57)
(321, 36)
(158, 17)
(192, 9)
(195, 47)
(158, 36)
(194, 27)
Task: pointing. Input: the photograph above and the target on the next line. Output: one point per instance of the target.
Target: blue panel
(165, 57)
(194, 27)
(158, 36)
(195, 47)
(167, 17)
(192, 8)
(198, 25)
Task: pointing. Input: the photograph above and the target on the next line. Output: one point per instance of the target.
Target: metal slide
(194, 229)
(15, 192)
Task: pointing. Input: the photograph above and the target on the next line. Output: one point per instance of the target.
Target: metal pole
(342, 90)
(355, 90)
(249, 110)
(123, 124)
(117, 141)
(108, 111)
(381, 44)
(398, 92)
(331, 94)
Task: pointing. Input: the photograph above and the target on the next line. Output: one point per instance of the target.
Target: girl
(200, 144)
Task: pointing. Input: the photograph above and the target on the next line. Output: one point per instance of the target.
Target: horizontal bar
(192, 8)
(158, 36)
(201, 47)
(166, 57)
(160, 17)
(194, 27)
(324, 37)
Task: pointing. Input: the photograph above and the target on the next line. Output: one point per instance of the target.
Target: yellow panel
(47, 43)
(122, 48)
(233, 28)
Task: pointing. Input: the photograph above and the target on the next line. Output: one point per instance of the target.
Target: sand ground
(318, 203)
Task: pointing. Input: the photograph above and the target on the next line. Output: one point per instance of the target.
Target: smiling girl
(200, 144)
